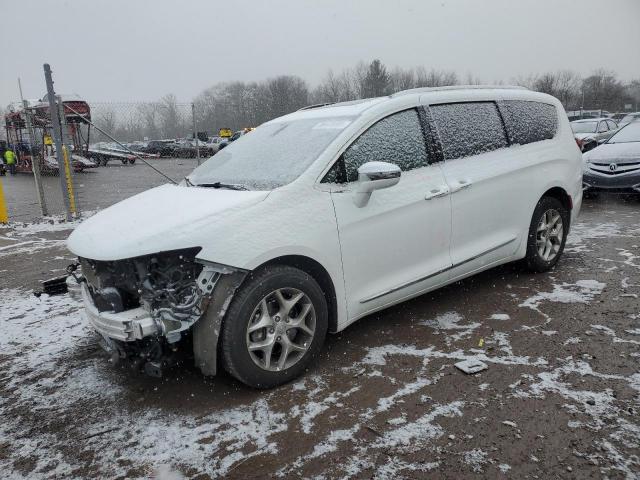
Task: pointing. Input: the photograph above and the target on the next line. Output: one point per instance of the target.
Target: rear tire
(279, 312)
(547, 234)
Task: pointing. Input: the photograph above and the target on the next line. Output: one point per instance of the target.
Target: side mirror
(374, 176)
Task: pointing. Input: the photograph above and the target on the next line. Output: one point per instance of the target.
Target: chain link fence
(114, 150)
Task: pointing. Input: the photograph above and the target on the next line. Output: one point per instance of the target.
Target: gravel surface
(560, 397)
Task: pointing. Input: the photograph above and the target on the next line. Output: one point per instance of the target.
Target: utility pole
(35, 160)
(57, 138)
(195, 131)
(67, 155)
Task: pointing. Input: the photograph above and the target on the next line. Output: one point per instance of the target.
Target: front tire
(547, 234)
(275, 325)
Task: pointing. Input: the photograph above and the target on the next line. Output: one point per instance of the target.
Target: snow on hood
(618, 152)
(161, 219)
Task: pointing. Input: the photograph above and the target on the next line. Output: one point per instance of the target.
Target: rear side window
(396, 139)
(467, 129)
(529, 122)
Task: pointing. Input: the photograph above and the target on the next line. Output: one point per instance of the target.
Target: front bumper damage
(127, 326)
(149, 331)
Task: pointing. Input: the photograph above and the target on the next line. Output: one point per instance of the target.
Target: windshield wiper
(230, 186)
(189, 184)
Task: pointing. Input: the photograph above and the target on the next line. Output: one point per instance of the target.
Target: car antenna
(123, 146)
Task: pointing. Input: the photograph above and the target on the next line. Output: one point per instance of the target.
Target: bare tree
(170, 118)
(603, 90)
(402, 79)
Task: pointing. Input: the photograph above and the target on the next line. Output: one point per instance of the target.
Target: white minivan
(321, 217)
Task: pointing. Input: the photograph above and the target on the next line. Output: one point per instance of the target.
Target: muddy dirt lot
(560, 399)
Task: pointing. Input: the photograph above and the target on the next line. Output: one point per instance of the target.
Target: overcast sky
(126, 50)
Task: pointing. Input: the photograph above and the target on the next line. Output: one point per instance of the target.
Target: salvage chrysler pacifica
(323, 216)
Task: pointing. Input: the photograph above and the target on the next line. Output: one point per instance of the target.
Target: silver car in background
(592, 132)
(615, 165)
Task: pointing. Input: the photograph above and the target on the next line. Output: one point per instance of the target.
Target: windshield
(584, 127)
(272, 155)
(629, 118)
(628, 134)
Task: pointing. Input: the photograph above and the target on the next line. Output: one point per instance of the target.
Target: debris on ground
(471, 366)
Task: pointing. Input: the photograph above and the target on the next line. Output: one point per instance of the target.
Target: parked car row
(621, 118)
(184, 148)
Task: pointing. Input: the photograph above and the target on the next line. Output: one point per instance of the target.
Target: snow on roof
(456, 87)
(342, 109)
(358, 107)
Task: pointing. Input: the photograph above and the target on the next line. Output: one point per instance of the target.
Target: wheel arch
(320, 274)
(562, 196)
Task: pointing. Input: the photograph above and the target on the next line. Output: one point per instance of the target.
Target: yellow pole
(67, 171)
(4, 216)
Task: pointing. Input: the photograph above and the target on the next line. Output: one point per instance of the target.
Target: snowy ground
(561, 396)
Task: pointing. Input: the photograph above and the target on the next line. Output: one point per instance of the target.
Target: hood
(615, 152)
(161, 219)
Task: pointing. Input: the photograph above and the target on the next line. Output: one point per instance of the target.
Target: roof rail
(316, 105)
(457, 87)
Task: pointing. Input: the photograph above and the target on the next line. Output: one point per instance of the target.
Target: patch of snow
(451, 321)
(583, 291)
(476, 459)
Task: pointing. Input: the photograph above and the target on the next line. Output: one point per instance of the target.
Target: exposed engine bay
(143, 307)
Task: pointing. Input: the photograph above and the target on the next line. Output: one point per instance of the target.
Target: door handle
(437, 192)
(461, 185)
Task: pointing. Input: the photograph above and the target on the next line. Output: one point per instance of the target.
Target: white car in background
(324, 216)
(590, 133)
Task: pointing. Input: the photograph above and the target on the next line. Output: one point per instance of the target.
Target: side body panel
(394, 240)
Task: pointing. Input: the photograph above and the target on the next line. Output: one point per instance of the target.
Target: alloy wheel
(281, 329)
(549, 235)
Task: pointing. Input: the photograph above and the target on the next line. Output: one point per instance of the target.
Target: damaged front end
(145, 307)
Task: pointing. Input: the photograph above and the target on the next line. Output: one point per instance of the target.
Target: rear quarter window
(529, 122)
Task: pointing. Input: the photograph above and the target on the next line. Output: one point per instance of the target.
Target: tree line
(247, 104)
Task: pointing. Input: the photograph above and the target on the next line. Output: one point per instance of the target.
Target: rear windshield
(584, 127)
(272, 155)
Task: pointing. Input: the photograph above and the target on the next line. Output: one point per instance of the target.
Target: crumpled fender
(206, 331)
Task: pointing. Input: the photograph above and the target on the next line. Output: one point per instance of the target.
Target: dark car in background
(164, 148)
(189, 149)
